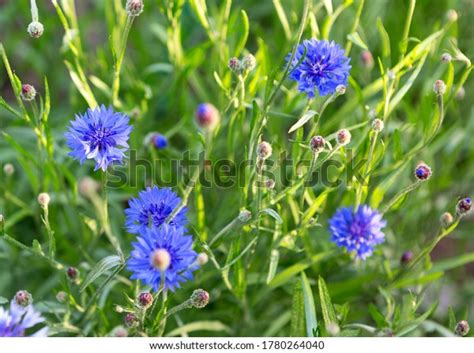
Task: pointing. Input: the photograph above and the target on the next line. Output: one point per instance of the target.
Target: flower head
(422, 171)
(159, 141)
(464, 206)
(207, 116)
(151, 209)
(99, 134)
(134, 7)
(176, 244)
(358, 230)
(14, 322)
(199, 299)
(324, 67)
(35, 29)
(28, 92)
(317, 144)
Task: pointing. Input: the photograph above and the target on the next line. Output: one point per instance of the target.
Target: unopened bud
(235, 65)
(199, 299)
(207, 116)
(245, 216)
(134, 7)
(422, 171)
(159, 141)
(452, 15)
(270, 184)
(61, 296)
(340, 90)
(264, 150)
(406, 258)
(446, 219)
(88, 186)
(131, 320)
(333, 329)
(145, 300)
(460, 94)
(377, 125)
(343, 137)
(249, 62)
(35, 29)
(28, 92)
(439, 87)
(367, 59)
(464, 206)
(119, 309)
(23, 298)
(161, 259)
(462, 328)
(8, 169)
(44, 199)
(119, 331)
(446, 57)
(317, 144)
(72, 273)
(202, 259)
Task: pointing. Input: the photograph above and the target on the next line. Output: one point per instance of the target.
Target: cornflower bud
(452, 15)
(119, 331)
(8, 169)
(422, 171)
(343, 137)
(340, 90)
(446, 219)
(270, 184)
(317, 144)
(159, 141)
(264, 150)
(44, 199)
(406, 258)
(367, 59)
(134, 7)
(249, 62)
(35, 29)
(61, 296)
(28, 92)
(72, 273)
(145, 300)
(199, 299)
(462, 328)
(235, 65)
(439, 87)
(88, 186)
(377, 125)
(245, 216)
(131, 320)
(202, 259)
(23, 298)
(207, 116)
(446, 57)
(460, 94)
(464, 206)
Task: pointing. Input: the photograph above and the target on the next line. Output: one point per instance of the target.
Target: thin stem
(34, 11)
(119, 62)
(366, 172)
(105, 218)
(402, 193)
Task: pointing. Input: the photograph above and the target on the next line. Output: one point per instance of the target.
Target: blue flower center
(318, 68)
(155, 214)
(100, 137)
(357, 229)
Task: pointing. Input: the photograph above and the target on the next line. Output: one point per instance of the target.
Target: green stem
(105, 218)
(366, 177)
(119, 62)
(402, 193)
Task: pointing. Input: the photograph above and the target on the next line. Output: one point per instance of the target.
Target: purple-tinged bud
(207, 116)
(119, 331)
(462, 328)
(249, 62)
(464, 206)
(460, 94)
(367, 59)
(35, 29)
(72, 273)
(235, 65)
(161, 259)
(44, 199)
(8, 169)
(264, 150)
(88, 186)
(131, 320)
(377, 125)
(145, 300)
(343, 137)
(333, 329)
(422, 171)
(61, 296)
(317, 144)
(439, 87)
(23, 298)
(270, 184)
(446, 58)
(340, 90)
(199, 299)
(446, 219)
(245, 216)
(119, 309)
(406, 258)
(202, 259)
(452, 15)
(28, 92)
(159, 141)
(134, 7)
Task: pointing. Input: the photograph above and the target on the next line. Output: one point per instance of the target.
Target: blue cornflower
(324, 67)
(100, 134)
(357, 231)
(159, 141)
(15, 322)
(163, 251)
(152, 208)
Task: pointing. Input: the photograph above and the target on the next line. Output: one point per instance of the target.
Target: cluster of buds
(207, 116)
(422, 171)
(247, 64)
(134, 7)
(28, 92)
(343, 137)
(317, 144)
(23, 298)
(464, 206)
(439, 87)
(35, 29)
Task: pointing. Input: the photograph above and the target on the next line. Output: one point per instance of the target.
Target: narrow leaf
(303, 120)
(104, 265)
(309, 307)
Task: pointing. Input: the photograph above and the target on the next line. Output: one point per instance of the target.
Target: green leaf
(357, 40)
(3, 300)
(377, 316)
(329, 315)
(303, 120)
(292, 271)
(104, 265)
(452, 318)
(309, 308)
(272, 213)
(214, 326)
(384, 37)
(245, 33)
(413, 324)
(297, 312)
(274, 257)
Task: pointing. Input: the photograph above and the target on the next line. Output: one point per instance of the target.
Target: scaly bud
(28, 92)
(343, 137)
(35, 29)
(317, 144)
(23, 298)
(207, 116)
(134, 7)
(264, 150)
(199, 299)
(439, 87)
(44, 199)
(422, 171)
